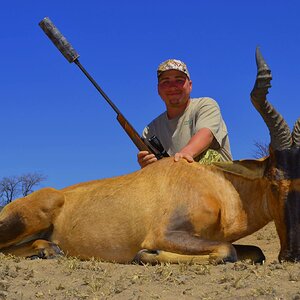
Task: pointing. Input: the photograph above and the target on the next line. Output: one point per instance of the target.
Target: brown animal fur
(181, 208)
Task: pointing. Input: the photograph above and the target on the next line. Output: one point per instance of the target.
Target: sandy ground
(69, 278)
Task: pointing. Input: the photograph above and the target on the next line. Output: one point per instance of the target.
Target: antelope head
(283, 170)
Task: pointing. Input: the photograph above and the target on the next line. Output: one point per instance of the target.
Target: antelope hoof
(48, 251)
(146, 256)
(223, 254)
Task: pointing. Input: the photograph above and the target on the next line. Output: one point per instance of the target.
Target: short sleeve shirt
(174, 134)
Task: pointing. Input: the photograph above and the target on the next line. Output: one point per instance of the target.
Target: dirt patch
(69, 278)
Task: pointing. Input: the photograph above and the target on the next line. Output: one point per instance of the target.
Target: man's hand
(180, 155)
(145, 158)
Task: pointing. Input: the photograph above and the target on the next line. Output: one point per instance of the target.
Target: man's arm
(197, 144)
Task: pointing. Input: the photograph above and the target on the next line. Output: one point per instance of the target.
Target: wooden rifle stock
(134, 136)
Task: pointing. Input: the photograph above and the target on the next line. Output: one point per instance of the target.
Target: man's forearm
(198, 143)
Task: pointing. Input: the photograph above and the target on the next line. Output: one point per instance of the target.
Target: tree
(9, 188)
(29, 180)
(15, 186)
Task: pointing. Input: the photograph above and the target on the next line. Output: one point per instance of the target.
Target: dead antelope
(170, 211)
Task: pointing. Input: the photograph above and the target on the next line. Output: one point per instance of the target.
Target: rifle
(151, 145)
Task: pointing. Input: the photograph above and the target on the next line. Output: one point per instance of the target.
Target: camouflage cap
(173, 64)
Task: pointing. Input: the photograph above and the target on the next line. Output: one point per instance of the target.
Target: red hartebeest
(170, 211)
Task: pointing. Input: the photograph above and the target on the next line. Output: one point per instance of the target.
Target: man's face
(174, 87)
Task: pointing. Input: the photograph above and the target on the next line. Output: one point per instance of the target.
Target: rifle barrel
(114, 107)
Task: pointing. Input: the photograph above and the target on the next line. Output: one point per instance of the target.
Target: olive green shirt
(174, 134)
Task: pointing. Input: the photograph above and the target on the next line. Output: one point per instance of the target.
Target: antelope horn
(279, 130)
(296, 133)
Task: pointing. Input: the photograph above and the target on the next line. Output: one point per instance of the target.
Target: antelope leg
(34, 249)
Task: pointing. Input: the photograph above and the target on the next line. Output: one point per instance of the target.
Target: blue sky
(55, 122)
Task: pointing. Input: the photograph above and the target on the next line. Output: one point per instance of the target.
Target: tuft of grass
(263, 291)
(4, 285)
(293, 276)
(95, 283)
(29, 275)
(202, 269)
(60, 287)
(73, 263)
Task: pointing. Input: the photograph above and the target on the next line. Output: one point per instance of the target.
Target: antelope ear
(247, 168)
